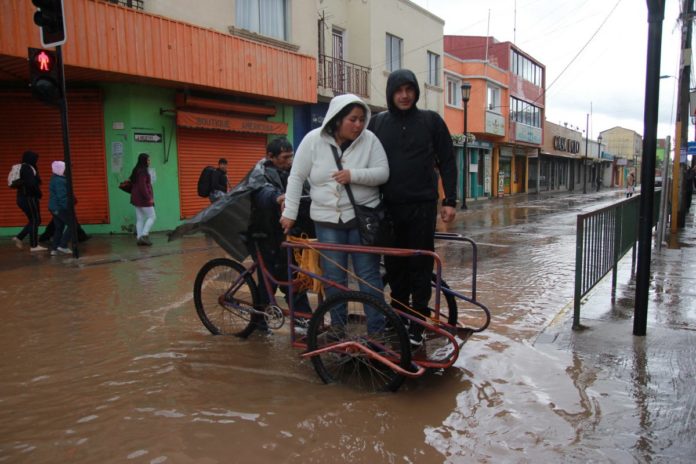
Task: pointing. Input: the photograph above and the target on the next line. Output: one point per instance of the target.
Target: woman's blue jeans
(365, 266)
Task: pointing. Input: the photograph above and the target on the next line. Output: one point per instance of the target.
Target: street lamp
(599, 156)
(466, 93)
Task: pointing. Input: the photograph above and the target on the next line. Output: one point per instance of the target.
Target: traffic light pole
(63, 107)
(656, 15)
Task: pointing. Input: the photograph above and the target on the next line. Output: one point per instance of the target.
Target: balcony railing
(343, 76)
(135, 4)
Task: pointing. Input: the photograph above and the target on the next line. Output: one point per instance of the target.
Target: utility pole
(656, 15)
(682, 124)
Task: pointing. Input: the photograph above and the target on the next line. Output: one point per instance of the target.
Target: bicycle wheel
(353, 366)
(225, 295)
(446, 299)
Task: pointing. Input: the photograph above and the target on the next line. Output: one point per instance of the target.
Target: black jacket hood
(395, 80)
(30, 157)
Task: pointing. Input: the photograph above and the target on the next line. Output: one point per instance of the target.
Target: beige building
(356, 43)
(360, 43)
(624, 143)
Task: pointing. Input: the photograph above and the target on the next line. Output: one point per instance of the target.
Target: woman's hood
(58, 167)
(340, 102)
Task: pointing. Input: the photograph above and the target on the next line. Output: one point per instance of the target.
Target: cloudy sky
(605, 74)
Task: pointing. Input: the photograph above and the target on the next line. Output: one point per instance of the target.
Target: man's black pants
(410, 277)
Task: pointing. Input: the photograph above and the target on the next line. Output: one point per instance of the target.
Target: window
(454, 93)
(433, 69)
(525, 113)
(265, 17)
(525, 68)
(395, 47)
(494, 98)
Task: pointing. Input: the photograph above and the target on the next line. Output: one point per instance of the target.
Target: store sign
(226, 123)
(565, 144)
(495, 124)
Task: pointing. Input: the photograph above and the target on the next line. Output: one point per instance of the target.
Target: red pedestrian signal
(45, 76)
(49, 18)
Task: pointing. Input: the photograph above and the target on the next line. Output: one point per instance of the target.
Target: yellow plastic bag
(307, 259)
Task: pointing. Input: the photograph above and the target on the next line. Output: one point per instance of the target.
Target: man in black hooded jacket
(418, 146)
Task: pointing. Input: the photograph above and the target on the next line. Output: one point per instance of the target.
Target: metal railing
(603, 237)
(135, 4)
(343, 76)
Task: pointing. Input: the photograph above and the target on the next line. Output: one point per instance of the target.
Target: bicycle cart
(227, 301)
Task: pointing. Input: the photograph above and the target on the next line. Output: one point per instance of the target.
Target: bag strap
(349, 191)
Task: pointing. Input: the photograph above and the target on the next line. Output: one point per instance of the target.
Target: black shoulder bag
(375, 224)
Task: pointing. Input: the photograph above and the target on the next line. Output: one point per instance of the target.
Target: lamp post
(466, 93)
(584, 161)
(599, 156)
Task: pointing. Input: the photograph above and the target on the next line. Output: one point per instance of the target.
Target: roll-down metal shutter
(26, 124)
(199, 148)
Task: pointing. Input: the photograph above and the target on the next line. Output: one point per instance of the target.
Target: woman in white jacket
(365, 168)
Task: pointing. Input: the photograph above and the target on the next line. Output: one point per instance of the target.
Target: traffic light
(45, 76)
(49, 18)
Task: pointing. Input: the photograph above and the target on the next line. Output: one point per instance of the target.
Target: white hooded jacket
(314, 161)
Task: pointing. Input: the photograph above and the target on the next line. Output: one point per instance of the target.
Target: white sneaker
(66, 251)
(38, 248)
(18, 243)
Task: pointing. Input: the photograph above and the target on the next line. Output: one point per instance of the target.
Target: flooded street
(105, 360)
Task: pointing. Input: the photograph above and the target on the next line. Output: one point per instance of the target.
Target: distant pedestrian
(220, 182)
(142, 197)
(28, 198)
(58, 206)
(630, 185)
(690, 181)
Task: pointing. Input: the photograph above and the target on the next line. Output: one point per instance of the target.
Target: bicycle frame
(439, 327)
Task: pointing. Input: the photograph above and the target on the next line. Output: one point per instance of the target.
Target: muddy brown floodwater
(108, 362)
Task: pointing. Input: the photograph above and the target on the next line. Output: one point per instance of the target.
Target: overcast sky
(608, 76)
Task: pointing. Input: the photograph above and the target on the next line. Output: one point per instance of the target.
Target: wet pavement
(104, 360)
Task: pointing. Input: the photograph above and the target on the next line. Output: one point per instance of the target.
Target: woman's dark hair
(141, 165)
(333, 124)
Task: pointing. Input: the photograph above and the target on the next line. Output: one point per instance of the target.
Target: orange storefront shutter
(199, 148)
(26, 124)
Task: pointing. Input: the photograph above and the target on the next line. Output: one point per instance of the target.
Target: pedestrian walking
(143, 199)
(365, 168)
(630, 185)
(28, 199)
(418, 146)
(58, 206)
(219, 182)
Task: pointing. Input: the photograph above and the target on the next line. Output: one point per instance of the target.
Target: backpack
(205, 181)
(13, 180)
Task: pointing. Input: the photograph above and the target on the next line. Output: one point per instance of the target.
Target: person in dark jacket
(418, 146)
(58, 206)
(142, 197)
(28, 197)
(220, 182)
(265, 230)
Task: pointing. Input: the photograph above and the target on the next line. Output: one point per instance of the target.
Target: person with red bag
(143, 199)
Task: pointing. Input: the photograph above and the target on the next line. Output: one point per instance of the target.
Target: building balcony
(136, 4)
(117, 42)
(344, 77)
